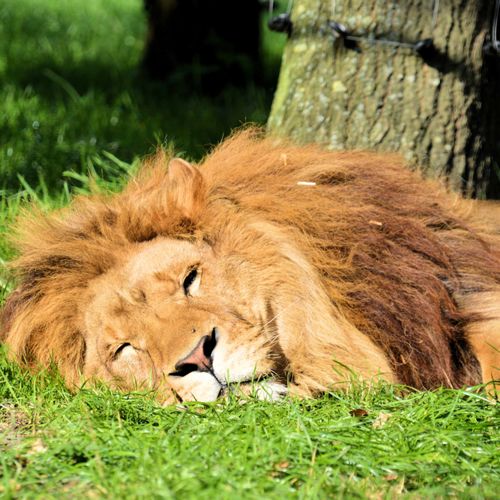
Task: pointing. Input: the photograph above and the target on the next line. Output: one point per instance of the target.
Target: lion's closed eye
(132, 366)
(124, 351)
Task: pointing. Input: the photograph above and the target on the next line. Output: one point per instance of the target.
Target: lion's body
(341, 258)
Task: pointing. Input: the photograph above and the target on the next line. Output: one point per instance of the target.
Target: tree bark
(442, 112)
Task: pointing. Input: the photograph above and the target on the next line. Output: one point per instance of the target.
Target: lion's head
(270, 264)
(176, 315)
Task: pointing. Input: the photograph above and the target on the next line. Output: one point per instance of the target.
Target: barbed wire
(424, 47)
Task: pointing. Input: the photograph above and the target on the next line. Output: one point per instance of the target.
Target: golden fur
(270, 262)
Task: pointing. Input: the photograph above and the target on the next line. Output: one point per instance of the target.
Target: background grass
(73, 101)
(71, 88)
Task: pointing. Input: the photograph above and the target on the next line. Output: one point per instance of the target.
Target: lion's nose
(199, 359)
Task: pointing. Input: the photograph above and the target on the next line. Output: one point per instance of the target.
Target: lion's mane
(396, 254)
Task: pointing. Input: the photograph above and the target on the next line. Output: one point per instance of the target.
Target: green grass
(432, 444)
(73, 102)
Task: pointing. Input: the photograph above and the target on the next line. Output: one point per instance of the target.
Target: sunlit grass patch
(427, 444)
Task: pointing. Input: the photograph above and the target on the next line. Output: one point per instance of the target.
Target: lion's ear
(186, 188)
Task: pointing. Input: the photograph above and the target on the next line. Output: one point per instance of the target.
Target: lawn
(74, 103)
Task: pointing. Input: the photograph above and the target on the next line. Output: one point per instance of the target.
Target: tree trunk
(441, 111)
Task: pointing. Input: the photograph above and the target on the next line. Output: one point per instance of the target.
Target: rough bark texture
(442, 114)
(207, 42)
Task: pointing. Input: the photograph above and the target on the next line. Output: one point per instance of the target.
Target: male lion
(290, 267)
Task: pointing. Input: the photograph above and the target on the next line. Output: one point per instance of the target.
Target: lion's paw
(265, 390)
(270, 391)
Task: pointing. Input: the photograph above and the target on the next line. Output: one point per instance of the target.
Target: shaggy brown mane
(397, 255)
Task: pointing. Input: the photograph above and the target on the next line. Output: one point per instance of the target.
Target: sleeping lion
(270, 266)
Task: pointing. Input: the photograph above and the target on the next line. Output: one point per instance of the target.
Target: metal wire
(288, 9)
(494, 28)
(420, 46)
(271, 7)
(435, 10)
(492, 47)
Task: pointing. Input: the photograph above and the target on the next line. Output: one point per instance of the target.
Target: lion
(288, 269)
